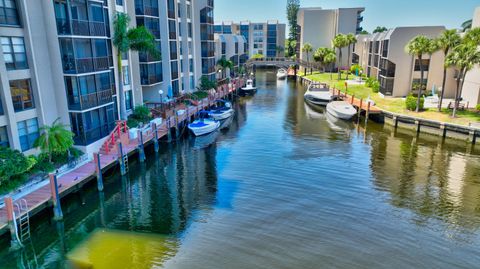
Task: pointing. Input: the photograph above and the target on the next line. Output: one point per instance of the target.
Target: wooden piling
(15, 243)
(121, 160)
(417, 126)
(353, 98)
(155, 137)
(472, 136)
(360, 107)
(141, 150)
(57, 208)
(98, 171)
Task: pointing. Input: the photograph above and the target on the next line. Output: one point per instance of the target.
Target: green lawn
(395, 105)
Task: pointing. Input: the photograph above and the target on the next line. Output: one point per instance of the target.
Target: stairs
(23, 225)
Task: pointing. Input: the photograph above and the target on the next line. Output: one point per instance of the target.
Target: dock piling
(155, 137)
(141, 150)
(472, 136)
(121, 159)
(98, 171)
(57, 208)
(360, 107)
(417, 127)
(15, 243)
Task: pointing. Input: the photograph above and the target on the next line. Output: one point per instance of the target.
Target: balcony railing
(86, 65)
(92, 135)
(101, 63)
(147, 10)
(81, 27)
(87, 101)
(150, 80)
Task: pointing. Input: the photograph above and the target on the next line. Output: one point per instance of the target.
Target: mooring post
(395, 122)
(443, 128)
(417, 126)
(155, 137)
(472, 136)
(169, 131)
(121, 160)
(353, 98)
(15, 243)
(141, 150)
(98, 171)
(360, 108)
(367, 113)
(57, 208)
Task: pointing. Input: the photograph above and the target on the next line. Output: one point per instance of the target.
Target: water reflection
(432, 179)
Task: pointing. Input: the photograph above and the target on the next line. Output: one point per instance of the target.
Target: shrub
(141, 114)
(13, 164)
(477, 108)
(411, 102)
(375, 85)
(206, 84)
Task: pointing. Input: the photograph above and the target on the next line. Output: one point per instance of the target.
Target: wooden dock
(72, 181)
(360, 104)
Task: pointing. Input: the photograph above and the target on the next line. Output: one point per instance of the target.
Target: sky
(388, 13)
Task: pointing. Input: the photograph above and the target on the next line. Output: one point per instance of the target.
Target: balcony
(150, 80)
(92, 135)
(146, 10)
(87, 101)
(146, 58)
(86, 65)
(81, 27)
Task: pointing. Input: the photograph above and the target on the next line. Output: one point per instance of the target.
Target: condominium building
(58, 62)
(233, 48)
(471, 87)
(267, 39)
(383, 56)
(319, 26)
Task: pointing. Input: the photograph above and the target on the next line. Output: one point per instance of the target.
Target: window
(14, 53)
(172, 33)
(126, 76)
(425, 62)
(173, 50)
(128, 100)
(174, 68)
(192, 82)
(28, 133)
(4, 137)
(191, 65)
(8, 12)
(119, 2)
(190, 29)
(22, 97)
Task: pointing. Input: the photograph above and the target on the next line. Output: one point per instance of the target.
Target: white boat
(249, 88)
(203, 126)
(223, 110)
(281, 73)
(341, 109)
(318, 94)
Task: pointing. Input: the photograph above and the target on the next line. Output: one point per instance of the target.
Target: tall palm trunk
(444, 82)
(348, 60)
(457, 92)
(419, 97)
(339, 64)
(123, 108)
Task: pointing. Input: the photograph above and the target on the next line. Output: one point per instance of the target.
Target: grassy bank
(396, 105)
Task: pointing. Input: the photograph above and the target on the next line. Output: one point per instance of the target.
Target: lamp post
(161, 99)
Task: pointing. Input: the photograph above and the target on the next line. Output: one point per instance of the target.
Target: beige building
(233, 48)
(319, 26)
(59, 62)
(383, 56)
(471, 87)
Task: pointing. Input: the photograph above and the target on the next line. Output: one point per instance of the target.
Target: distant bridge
(281, 62)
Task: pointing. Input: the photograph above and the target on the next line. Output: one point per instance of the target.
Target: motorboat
(225, 124)
(341, 109)
(201, 142)
(318, 94)
(281, 73)
(222, 110)
(204, 125)
(249, 88)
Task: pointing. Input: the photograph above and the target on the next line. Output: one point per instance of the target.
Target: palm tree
(56, 138)
(445, 42)
(329, 59)
(307, 48)
(223, 63)
(380, 29)
(290, 46)
(319, 55)
(351, 40)
(124, 39)
(417, 47)
(339, 42)
(464, 57)
(473, 35)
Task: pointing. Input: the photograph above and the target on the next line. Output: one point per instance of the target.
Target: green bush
(375, 85)
(206, 84)
(13, 164)
(477, 108)
(411, 102)
(141, 114)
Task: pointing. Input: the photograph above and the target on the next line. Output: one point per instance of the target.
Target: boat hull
(341, 111)
(208, 126)
(222, 116)
(316, 101)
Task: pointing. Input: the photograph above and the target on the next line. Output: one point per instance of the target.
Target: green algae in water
(106, 248)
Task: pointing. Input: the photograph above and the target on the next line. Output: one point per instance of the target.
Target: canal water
(284, 187)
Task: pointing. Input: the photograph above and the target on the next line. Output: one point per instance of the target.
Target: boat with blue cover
(204, 125)
(222, 110)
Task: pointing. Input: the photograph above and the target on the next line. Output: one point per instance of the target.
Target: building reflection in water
(434, 180)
